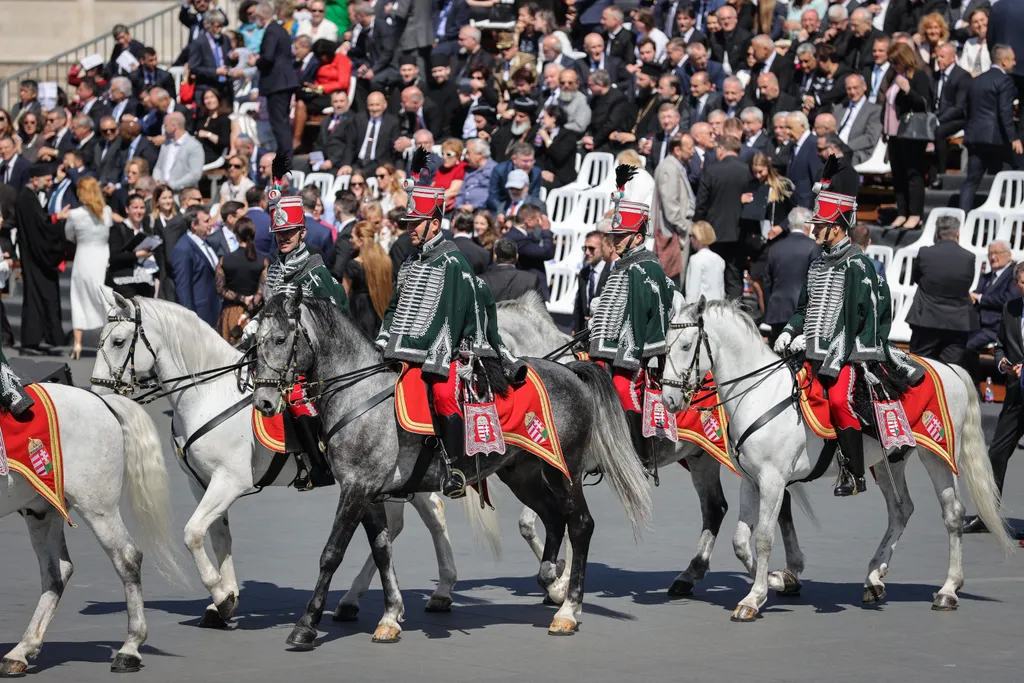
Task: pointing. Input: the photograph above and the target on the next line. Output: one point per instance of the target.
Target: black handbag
(918, 126)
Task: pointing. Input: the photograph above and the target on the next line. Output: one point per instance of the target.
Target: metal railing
(161, 30)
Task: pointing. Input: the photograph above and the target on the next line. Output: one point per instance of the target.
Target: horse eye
(118, 343)
(279, 341)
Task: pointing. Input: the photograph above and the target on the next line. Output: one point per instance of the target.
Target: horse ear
(119, 300)
(701, 304)
(293, 302)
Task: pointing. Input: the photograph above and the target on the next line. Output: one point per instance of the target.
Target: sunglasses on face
(108, 130)
(451, 154)
(236, 166)
(589, 250)
(357, 183)
(381, 176)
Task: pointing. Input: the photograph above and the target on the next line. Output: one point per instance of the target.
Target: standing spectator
(462, 234)
(1009, 361)
(149, 75)
(414, 22)
(859, 121)
(195, 264)
(975, 57)
(373, 49)
(523, 159)
(772, 100)
(214, 132)
(485, 231)
(88, 227)
(702, 100)
(506, 280)
(222, 236)
(858, 53)
(30, 135)
(619, 41)
(191, 17)
(673, 208)
(555, 147)
(277, 77)
(452, 172)
(995, 288)
(590, 280)
(317, 237)
(239, 279)
(367, 280)
(706, 272)
(208, 58)
(256, 200)
(318, 26)
(251, 33)
(729, 46)
(40, 249)
(951, 87)
(722, 184)
(131, 271)
(610, 112)
(477, 182)
(755, 137)
(655, 146)
(861, 236)
(14, 171)
(789, 258)
(804, 167)
(181, 158)
(907, 90)
(990, 136)
(940, 316)
(535, 244)
(346, 210)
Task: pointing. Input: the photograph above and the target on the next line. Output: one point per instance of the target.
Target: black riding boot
(643, 446)
(851, 480)
(319, 474)
(13, 397)
(452, 432)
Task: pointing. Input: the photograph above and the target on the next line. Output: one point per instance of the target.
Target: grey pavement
(629, 630)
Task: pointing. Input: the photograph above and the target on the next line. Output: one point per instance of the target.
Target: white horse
(782, 451)
(104, 442)
(226, 462)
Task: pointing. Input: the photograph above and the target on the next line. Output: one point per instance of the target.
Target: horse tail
(977, 468)
(611, 446)
(803, 501)
(483, 520)
(148, 485)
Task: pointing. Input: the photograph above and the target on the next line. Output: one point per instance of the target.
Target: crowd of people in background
(727, 108)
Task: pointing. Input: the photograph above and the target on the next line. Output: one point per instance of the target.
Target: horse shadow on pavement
(56, 653)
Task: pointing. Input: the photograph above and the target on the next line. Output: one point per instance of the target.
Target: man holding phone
(1010, 428)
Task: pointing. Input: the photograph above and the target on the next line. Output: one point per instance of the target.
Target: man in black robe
(41, 250)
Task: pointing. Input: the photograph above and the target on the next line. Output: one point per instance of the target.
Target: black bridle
(286, 376)
(690, 383)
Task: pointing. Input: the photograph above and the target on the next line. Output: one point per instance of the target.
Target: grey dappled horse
(372, 455)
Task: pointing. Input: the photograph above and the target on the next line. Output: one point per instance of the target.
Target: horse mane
(330, 322)
(735, 309)
(531, 302)
(187, 336)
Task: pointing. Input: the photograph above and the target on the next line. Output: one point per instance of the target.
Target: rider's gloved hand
(249, 334)
(798, 344)
(782, 342)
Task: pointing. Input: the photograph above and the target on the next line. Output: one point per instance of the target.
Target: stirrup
(848, 485)
(454, 485)
(303, 481)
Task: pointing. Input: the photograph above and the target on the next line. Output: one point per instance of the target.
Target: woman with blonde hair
(367, 280)
(233, 188)
(932, 32)
(88, 227)
(452, 172)
(779, 190)
(389, 188)
(485, 231)
(705, 272)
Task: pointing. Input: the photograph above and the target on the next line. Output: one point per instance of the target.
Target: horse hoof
(386, 633)
(439, 605)
(873, 594)
(680, 589)
(790, 585)
(562, 627)
(346, 612)
(559, 567)
(744, 614)
(211, 619)
(125, 664)
(944, 603)
(12, 668)
(302, 638)
(226, 609)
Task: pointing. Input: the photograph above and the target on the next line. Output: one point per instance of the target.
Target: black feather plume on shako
(279, 168)
(830, 168)
(420, 162)
(623, 174)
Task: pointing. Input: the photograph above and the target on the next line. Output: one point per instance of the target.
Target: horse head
(125, 357)
(689, 355)
(284, 351)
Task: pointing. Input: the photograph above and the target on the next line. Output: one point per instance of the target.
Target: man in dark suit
(108, 154)
(804, 167)
(208, 58)
(534, 244)
(318, 236)
(951, 87)
(610, 112)
(191, 17)
(15, 168)
(1004, 29)
(789, 257)
(346, 215)
(373, 49)
(731, 42)
(89, 100)
(697, 61)
(597, 59)
(940, 316)
(1009, 361)
(858, 49)
(134, 144)
(277, 78)
(702, 100)
(306, 63)
(669, 124)
(590, 280)
(755, 137)
(84, 130)
(722, 184)
(771, 100)
(462, 235)
(994, 289)
(224, 240)
(122, 102)
(195, 263)
(771, 62)
(149, 75)
(418, 112)
(257, 213)
(990, 135)
(372, 136)
(508, 282)
(619, 41)
(123, 42)
(332, 140)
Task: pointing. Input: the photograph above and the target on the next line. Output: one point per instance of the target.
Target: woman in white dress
(88, 227)
(705, 272)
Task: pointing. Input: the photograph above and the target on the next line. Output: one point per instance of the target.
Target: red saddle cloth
(30, 446)
(269, 431)
(709, 429)
(925, 405)
(524, 413)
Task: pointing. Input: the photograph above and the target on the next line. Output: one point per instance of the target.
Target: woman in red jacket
(334, 74)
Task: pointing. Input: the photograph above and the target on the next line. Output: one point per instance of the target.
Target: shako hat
(631, 217)
(425, 203)
(836, 200)
(288, 215)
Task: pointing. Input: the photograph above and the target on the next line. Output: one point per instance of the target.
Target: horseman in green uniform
(842, 324)
(440, 312)
(297, 267)
(630, 319)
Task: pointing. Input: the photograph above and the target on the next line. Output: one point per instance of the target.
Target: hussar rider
(630, 319)
(842, 324)
(439, 312)
(295, 267)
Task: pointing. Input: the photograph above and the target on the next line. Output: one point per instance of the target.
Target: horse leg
(431, 509)
(704, 473)
(581, 529)
(531, 488)
(749, 496)
(899, 515)
(376, 524)
(127, 559)
(772, 486)
(786, 583)
(213, 505)
(953, 517)
(352, 507)
(528, 530)
(348, 608)
(46, 530)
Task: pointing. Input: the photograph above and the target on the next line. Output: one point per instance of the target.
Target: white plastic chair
(1012, 232)
(981, 227)
(900, 331)
(178, 73)
(590, 207)
(595, 168)
(980, 263)
(298, 179)
(900, 274)
(884, 254)
(876, 164)
(560, 203)
(563, 285)
(340, 184)
(1007, 192)
(324, 183)
(372, 187)
(927, 237)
